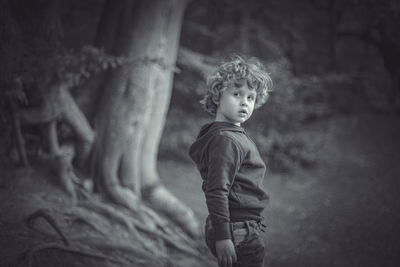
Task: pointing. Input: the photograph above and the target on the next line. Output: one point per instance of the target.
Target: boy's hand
(225, 252)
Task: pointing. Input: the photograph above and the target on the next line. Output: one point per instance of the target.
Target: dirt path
(343, 212)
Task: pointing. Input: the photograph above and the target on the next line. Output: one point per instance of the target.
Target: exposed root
(154, 225)
(122, 219)
(123, 196)
(77, 251)
(60, 164)
(164, 232)
(43, 214)
(122, 244)
(92, 219)
(147, 235)
(174, 242)
(107, 210)
(58, 105)
(162, 200)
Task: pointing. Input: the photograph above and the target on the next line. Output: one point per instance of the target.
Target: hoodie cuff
(222, 231)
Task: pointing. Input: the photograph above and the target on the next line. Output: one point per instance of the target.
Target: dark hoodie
(232, 172)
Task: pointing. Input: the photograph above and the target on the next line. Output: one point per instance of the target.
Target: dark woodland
(99, 103)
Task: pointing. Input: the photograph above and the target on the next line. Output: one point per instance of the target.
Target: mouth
(243, 112)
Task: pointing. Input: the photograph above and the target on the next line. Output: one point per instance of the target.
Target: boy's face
(236, 103)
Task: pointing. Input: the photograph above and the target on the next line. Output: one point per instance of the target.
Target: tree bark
(163, 78)
(132, 108)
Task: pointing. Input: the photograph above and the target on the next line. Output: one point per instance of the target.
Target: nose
(243, 102)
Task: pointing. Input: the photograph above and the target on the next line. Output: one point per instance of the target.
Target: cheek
(253, 104)
(230, 100)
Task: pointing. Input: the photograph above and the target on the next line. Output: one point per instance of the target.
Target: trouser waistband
(248, 224)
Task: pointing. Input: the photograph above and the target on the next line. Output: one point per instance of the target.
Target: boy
(230, 164)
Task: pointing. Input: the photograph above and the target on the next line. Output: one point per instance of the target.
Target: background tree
(129, 113)
(134, 99)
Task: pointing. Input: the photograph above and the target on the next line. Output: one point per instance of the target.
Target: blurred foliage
(67, 67)
(293, 102)
(326, 58)
(36, 61)
(36, 77)
(36, 54)
(317, 73)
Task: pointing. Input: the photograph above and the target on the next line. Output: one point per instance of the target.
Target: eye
(236, 93)
(251, 97)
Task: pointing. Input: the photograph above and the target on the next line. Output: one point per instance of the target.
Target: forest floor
(343, 212)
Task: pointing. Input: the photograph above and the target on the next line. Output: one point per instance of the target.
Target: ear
(215, 100)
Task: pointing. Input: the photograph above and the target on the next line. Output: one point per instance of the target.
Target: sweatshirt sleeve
(223, 163)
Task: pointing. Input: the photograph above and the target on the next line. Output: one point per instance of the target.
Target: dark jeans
(249, 244)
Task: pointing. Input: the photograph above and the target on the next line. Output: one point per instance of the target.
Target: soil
(343, 212)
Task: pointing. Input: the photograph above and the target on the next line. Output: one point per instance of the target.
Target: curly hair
(237, 69)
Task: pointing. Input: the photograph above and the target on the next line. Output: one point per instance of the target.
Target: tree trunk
(132, 108)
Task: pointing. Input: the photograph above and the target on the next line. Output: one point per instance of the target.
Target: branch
(202, 64)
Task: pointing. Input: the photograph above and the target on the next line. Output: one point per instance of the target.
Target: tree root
(106, 243)
(173, 242)
(102, 208)
(162, 200)
(67, 245)
(147, 233)
(123, 196)
(166, 234)
(154, 225)
(93, 220)
(122, 244)
(115, 214)
(58, 105)
(77, 251)
(60, 165)
(42, 213)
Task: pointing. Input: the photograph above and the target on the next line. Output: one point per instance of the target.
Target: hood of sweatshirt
(198, 148)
